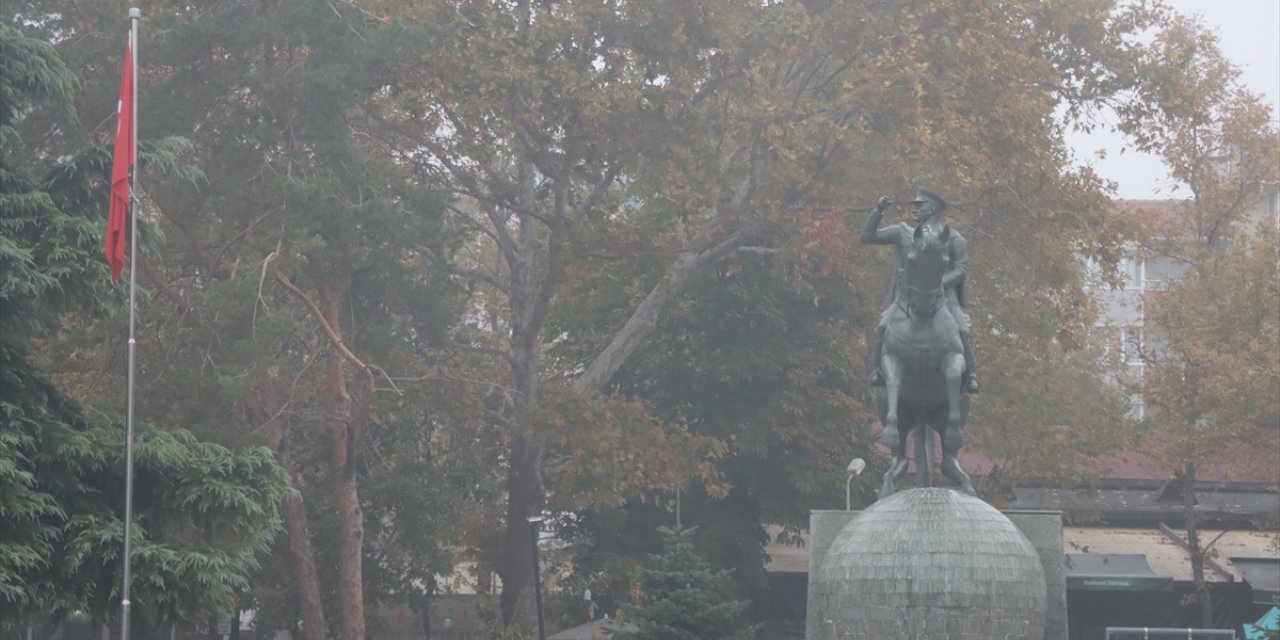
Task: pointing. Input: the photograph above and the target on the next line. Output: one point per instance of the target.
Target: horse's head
(927, 260)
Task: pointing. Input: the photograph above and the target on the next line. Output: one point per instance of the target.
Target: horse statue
(923, 363)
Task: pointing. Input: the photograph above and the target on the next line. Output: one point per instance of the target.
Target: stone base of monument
(928, 564)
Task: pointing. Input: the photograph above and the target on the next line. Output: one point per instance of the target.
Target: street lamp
(855, 469)
(535, 523)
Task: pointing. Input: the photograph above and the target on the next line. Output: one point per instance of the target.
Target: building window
(1128, 269)
(1137, 408)
(1092, 274)
(1131, 270)
(1155, 347)
(1160, 271)
(1131, 344)
(1128, 343)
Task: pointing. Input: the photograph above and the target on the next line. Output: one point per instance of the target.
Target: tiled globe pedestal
(928, 564)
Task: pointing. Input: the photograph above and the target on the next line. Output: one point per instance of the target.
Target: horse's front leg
(893, 369)
(897, 466)
(953, 437)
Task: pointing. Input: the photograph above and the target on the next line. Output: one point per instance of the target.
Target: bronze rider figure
(927, 208)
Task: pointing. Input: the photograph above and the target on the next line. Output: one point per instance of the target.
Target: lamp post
(535, 523)
(855, 469)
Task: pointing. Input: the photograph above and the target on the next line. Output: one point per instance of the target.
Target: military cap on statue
(925, 195)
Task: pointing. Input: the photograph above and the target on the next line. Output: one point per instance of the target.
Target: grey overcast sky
(1249, 33)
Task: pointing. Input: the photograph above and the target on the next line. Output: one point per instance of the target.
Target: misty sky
(1250, 36)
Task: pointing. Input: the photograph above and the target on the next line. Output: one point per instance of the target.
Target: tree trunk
(344, 436)
(303, 560)
(426, 607)
(263, 408)
(525, 496)
(525, 490)
(1193, 541)
(532, 283)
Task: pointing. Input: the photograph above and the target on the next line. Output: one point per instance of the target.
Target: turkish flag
(121, 162)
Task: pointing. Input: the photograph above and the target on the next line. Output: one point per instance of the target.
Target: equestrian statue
(922, 356)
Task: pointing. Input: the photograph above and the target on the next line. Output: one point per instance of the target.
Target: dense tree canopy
(470, 261)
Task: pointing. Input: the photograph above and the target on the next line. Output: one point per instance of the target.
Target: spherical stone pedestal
(930, 564)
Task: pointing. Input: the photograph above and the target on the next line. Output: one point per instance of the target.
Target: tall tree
(295, 272)
(327, 220)
(1210, 388)
(1213, 340)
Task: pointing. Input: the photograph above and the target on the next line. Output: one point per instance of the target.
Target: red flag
(121, 162)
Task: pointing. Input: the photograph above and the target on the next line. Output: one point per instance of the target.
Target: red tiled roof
(1248, 463)
(1243, 462)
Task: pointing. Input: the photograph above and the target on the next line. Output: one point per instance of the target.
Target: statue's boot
(970, 381)
(876, 379)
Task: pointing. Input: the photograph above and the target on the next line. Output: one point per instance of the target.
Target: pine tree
(681, 597)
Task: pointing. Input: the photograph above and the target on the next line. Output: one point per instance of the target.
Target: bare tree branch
(600, 188)
(645, 317)
(262, 278)
(334, 339)
(463, 271)
(473, 222)
(760, 251)
(506, 243)
(489, 351)
(190, 315)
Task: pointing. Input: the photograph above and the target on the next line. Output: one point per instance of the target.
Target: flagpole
(134, 15)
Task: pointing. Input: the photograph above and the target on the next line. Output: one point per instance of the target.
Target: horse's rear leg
(953, 373)
(951, 469)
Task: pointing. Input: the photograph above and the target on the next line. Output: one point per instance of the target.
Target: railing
(1156, 633)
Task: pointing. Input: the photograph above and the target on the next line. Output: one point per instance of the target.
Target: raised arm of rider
(871, 233)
